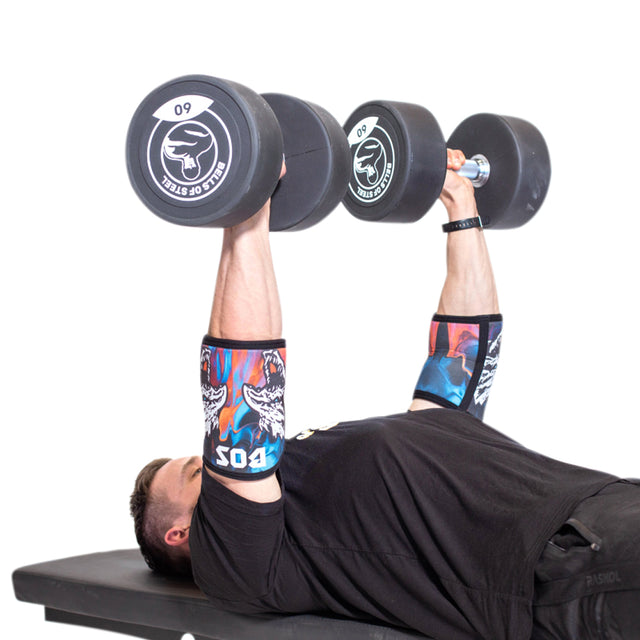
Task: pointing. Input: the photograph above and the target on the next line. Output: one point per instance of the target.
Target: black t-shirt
(430, 520)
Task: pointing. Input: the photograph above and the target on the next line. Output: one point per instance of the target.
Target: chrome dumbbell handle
(477, 169)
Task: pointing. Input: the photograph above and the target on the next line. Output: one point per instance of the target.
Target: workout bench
(115, 591)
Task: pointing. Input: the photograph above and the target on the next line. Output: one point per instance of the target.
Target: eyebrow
(187, 464)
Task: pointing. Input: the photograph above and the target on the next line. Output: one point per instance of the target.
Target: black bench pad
(116, 591)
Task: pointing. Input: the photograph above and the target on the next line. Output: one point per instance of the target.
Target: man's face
(179, 480)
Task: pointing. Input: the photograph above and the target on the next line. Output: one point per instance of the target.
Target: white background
(104, 304)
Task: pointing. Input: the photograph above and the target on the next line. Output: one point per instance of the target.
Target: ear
(177, 536)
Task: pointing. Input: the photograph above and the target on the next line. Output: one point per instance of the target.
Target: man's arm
(469, 288)
(246, 307)
(246, 304)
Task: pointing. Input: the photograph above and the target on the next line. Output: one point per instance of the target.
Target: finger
(449, 158)
(455, 159)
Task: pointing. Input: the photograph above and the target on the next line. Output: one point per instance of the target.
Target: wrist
(467, 223)
(459, 199)
(461, 209)
(259, 221)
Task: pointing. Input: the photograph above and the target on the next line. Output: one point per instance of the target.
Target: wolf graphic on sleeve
(213, 397)
(481, 393)
(268, 401)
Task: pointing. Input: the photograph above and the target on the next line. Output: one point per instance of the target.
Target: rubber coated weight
(317, 158)
(398, 161)
(203, 151)
(520, 166)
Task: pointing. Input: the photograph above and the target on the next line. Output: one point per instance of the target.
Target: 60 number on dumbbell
(207, 152)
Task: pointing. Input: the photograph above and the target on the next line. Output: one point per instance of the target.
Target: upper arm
(264, 490)
(418, 404)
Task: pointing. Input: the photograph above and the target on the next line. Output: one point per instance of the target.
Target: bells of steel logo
(189, 149)
(373, 156)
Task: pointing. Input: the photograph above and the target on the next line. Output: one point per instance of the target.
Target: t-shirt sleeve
(234, 543)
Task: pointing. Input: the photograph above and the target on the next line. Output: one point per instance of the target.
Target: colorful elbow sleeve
(243, 396)
(463, 357)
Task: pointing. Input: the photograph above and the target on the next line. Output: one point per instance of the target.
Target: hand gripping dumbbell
(202, 151)
(399, 161)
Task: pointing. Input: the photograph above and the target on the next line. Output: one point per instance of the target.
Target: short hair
(153, 515)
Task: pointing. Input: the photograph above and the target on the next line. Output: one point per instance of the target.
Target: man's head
(162, 503)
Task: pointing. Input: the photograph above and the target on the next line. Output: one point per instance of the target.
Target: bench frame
(115, 591)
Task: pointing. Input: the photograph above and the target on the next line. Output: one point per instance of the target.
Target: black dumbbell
(202, 151)
(399, 159)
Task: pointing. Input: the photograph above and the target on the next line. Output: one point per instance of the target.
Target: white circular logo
(373, 160)
(189, 150)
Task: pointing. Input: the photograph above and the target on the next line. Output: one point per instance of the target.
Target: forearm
(246, 304)
(469, 288)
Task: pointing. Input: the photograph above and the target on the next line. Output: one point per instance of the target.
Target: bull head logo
(185, 144)
(367, 160)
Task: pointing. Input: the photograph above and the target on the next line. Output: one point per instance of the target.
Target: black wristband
(468, 223)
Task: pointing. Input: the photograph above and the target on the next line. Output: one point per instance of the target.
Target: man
(428, 519)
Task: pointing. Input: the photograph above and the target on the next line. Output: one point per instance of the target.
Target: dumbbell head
(520, 168)
(398, 161)
(317, 158)
(399, 164)
(202, 151)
